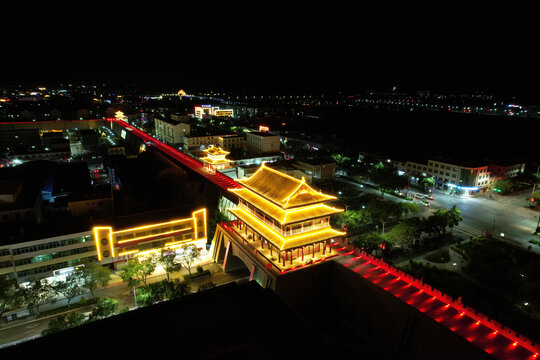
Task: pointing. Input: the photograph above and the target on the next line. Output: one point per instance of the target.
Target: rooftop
(281, 189)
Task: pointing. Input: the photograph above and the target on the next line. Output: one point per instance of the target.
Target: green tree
(169, 262)
(105, 307)
(405, 233)
(370, 242)
(427, 182)
(189, 257)
(8, 298)
(94, 276)
(71, 287)
(387, 178)
(351, 219)
(39, 292)
(435, 224)
(409, 208)
(343, 163)
(453, 217)
(63, 322)
(138, 270)
(505, 186)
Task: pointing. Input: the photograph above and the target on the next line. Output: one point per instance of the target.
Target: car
(417, 196)
(430, 197)
(425, 202)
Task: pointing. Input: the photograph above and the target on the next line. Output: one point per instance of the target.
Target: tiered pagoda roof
(281, 189)
(287, 200)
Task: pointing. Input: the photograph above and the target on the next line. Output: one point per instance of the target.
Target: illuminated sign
(263, 128)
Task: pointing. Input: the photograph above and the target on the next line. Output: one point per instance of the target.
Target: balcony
(284, 260)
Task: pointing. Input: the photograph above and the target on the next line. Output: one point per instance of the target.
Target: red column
(313, 253)
(269, 244)
(291, 257)
(284, 258)
(302, 253)
(324, 248)
(262, 243)
(329, 247)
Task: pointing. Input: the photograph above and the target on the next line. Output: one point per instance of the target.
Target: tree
(351, 219)
(71, 287)
(387, 178)
(409, 208)
(95, 276)
(370, 241)
(39, 292)
(403, 234)
(189, 257)
(105, 307)
(8, 300)
(505, 186)
(453, 217)
(138, 270)
(343, 163)
(169, 262)
(428, 182)
(62, 322)
(435, 224)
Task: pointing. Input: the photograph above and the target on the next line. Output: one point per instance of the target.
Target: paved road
(117, 290)
(508, 215)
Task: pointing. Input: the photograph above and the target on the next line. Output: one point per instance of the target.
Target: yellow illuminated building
(114, 245)
(215, 159)
(202, 110)
(284, 218)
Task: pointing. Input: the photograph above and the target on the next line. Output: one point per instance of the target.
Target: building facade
(44, 257)
(262, 142)
(209, 110)
(471, 178)
(198, 142)
(171, 132)
(232, 142)
(117, 246)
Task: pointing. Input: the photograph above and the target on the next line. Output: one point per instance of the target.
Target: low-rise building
(43, 258)
(470, 177)
(171, 132)
(199, 142)
(232, 142)
(316, 169)
(117, 245)
(209, 110)
(262, 142)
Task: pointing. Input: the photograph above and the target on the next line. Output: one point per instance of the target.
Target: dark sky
(272, 46)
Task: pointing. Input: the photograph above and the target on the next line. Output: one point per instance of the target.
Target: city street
(28, 328)
(506, 217)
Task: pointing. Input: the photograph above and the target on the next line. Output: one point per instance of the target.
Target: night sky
(272, 46)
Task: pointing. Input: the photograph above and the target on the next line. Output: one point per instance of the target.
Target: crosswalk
(526, 212)
(469, 230)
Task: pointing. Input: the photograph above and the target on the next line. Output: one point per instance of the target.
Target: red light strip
(458, 312)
